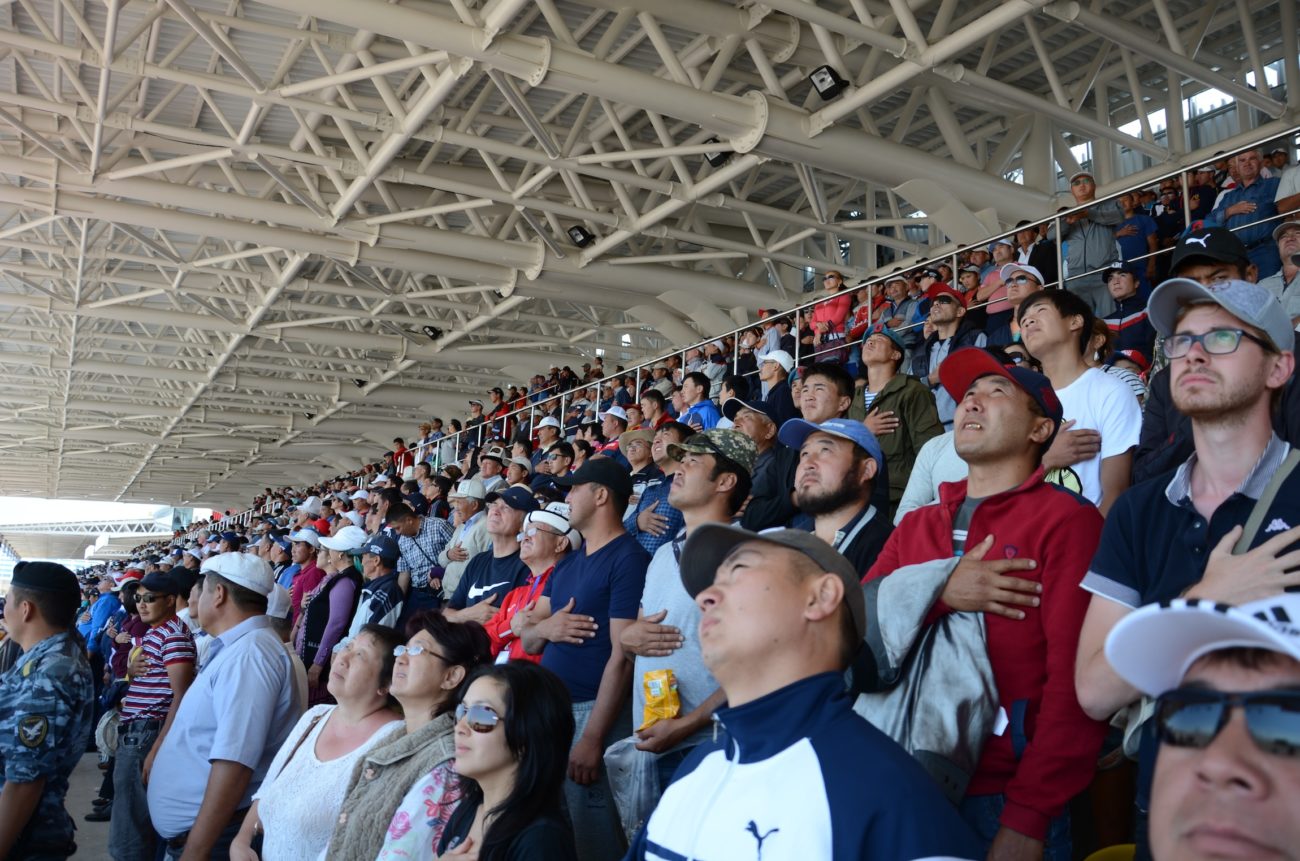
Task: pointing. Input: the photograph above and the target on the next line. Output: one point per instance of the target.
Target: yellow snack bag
(661, 699)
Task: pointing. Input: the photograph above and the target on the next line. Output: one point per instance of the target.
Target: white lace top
(299, 802)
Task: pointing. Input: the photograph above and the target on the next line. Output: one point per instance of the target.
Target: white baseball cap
(556, 516)
(1153, 647)
(311, 505)
(279, 603)
(307, 536)
(616, 411)
(470, 488)
(347, 539)
(782, 358)
(549, 422)
(243, 569)
(1011, 268)
(359, 494)
(355, 517)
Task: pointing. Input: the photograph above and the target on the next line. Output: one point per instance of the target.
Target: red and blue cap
(963, 367)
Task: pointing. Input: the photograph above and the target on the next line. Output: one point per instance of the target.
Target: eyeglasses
(533, 530)
(1022, 279)
(944, 300)
(1216, 342)
(1192, 717)
(830, 277)
(400, 651)
(147, 598)
(481, 718)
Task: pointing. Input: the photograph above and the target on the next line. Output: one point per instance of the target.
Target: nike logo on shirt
(477, 591)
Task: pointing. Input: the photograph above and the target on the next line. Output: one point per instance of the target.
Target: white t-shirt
(1098, 401)
(300, 800)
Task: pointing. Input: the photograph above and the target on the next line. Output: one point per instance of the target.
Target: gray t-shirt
(664, 591)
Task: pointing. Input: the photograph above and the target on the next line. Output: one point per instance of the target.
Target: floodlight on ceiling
(716, 158)
(433, 332)
(359, 383)
(580, 236)
(827, 82)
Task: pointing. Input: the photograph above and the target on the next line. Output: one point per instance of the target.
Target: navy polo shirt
(1155, 544)
(606, 585)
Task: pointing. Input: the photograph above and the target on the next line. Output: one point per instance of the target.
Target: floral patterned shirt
(422, 816)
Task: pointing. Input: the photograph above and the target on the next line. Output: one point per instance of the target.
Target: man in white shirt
(1093, 453)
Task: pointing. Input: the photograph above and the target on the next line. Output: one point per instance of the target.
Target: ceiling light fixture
(827, 82)
(717, 158)
(580, 236)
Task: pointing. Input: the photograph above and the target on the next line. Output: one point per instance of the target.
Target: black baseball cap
(160, 584)
(1218, 244)
(518, 498)
(731, 408)
(710, 544)
(599, 470)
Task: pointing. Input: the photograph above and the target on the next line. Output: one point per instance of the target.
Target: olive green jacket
(918, 422)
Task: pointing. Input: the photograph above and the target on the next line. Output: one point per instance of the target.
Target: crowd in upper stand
(966, 566)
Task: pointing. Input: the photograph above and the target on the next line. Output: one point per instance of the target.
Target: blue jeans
(597, 830)
(130, 832)
(984, 812)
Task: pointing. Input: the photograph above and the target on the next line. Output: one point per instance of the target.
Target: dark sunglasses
(148, 598)
(1193, 717)
(481, 718)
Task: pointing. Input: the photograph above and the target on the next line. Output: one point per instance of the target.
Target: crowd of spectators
(991, 563)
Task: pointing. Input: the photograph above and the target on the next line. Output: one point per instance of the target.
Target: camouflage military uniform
(46, 714)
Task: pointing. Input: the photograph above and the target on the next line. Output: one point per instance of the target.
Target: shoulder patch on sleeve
(32, 730)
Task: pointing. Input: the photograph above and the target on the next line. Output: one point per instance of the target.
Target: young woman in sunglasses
(403, 791)
(513, 728)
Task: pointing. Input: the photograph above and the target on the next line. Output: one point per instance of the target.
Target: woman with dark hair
(403, 791)
(582, 450)
(512, 727)
(297, 803)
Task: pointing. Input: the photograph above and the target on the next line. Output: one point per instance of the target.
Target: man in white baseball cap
(233, 718)
(548, 434)
(774, 373)
(1227, 716)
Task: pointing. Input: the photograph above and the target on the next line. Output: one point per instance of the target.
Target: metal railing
(529, 414)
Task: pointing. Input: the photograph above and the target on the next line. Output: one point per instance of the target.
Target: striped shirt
(150, 694)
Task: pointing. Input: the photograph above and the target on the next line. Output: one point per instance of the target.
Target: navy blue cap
(518, 498)
(795, 431)
(383, 546)
(231, 537)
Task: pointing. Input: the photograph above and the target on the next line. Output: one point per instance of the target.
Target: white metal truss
(140, 526)
(224, 226)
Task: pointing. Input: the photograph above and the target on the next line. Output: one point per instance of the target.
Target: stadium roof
(225, 226)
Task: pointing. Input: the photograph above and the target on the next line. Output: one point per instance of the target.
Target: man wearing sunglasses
(1227, 717)
(147, 711)
(952, 331)
(1230, 347)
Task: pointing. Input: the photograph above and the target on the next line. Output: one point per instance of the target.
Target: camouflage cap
(731, 444)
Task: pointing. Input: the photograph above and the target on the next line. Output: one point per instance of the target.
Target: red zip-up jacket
(1049, 752)
(498, 627)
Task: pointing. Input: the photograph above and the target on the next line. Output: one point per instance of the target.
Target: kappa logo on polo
(1277, 525)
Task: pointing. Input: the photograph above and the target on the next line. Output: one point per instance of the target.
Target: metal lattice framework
(224, 226)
